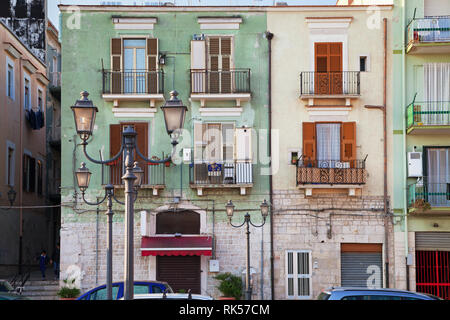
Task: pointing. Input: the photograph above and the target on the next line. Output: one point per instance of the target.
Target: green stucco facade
(408, 80)
(85, 51)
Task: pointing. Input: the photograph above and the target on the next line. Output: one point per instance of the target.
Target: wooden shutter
(225, 51)
(142, 143)
(25, 173)
(115, 141)
(348, 143)
(152, 65)
(309, 142)
(214, 67)
(328, 67)
(116, 65)
(243, 142)
(198, 66)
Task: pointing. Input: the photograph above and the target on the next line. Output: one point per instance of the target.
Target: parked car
(12, 296)
(346, 293)
(170, 296)
(99, 293)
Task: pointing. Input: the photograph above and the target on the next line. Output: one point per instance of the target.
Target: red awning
(176, 246)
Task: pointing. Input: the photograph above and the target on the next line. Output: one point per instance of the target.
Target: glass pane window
(134, 66)
(141, 288)
(298, 274)
(27, 96)
(10, 81)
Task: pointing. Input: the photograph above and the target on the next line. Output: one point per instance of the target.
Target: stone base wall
(83, 244)
(320, 223)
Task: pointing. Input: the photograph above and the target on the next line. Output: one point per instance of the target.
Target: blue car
(99, 293)
(347, 293)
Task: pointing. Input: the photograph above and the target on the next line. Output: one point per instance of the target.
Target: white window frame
(12, 170)
(367, 56)
(25, 78)
(296, 276)
(10, 64)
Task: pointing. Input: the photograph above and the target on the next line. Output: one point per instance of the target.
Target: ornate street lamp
(247, 220)
(84, 115)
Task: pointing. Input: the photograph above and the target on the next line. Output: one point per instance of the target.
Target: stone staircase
(41, 289)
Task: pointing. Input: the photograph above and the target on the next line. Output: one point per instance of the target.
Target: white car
(170, 296)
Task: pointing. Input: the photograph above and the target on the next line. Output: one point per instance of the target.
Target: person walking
(55, 261)
(43, 261)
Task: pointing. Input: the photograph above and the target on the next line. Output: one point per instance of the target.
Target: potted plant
(230, 286)
(421, 204)
(68, 291)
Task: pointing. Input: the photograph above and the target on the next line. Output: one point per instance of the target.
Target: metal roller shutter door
(359, 268)
(433, 241)
(180, 272)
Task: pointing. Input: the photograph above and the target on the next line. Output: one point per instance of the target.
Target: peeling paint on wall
(26, 18)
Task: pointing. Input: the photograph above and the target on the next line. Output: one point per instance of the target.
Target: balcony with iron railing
(330, 85)
(221, 174)
(430, 35)
(432, 117)
(154, 175)
(221, 85)
(426, 196)
(133, 85)
(319, 174)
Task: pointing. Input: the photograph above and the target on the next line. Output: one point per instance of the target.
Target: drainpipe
(269, 37)
(405, 184)
(21, 166)
(385, 195)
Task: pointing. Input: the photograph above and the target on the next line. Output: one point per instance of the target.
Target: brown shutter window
(115, 141)
(348, 143)
(309, 142)
(152, 65)
(116, 65)
(142, 143)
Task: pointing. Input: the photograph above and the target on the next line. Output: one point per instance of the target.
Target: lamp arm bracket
(94, 203)
(258, 226)
(84, 143)
(237, 226)
(151, 160)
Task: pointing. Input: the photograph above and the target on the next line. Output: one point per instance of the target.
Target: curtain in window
(328, 144)
(438, 180)
(436, 93)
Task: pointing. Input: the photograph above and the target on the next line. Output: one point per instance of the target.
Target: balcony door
(134, 66)
(328, 68)
(438, 180)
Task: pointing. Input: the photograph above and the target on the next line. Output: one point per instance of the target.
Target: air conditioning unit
(415, 168)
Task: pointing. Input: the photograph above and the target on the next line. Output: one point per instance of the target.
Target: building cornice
(156, 9)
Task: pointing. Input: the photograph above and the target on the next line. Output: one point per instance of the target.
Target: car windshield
(323, 296)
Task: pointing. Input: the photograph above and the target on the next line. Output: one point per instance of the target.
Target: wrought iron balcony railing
(331, 172)
(432, 113)
(133, 82)
(424, 194)
(330, 83)
(429, 30)
(220, 82)
(221, 173)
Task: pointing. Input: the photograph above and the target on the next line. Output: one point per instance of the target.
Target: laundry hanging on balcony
(35, 119)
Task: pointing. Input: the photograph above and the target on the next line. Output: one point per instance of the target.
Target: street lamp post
(84, 115)
(83, 176)
(247, 221)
